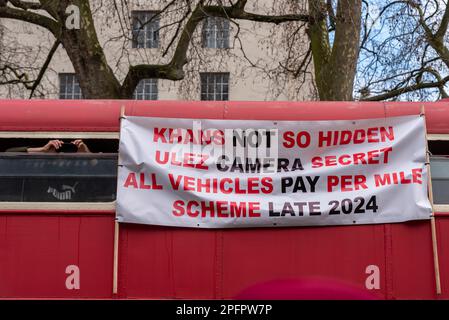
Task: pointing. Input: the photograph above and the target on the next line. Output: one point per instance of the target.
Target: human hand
(82, 147)
(51, 147)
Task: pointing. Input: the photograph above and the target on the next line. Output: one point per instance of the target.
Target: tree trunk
(97, 80)
(335, 66)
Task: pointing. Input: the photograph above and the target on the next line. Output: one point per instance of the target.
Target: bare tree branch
(174, 69)
(31, 17)
(44, 67)
(418, 86)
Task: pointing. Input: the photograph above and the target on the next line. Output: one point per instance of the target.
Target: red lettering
(384, 179)
(289, 142)
(359, 157)
(384, 134)
(342, 158)
(142, 182)
(154, 184)
(238, 210)
(131, 181)
(178, 208)
(174, 183)
(371, 157)
(324, 140)
(345, 137)
(299, 139)
(159, 134)
(254, 207)
(330, 161)
(332, 181)
(253, 184)
(190, 211)
(360, 182)
(189, 183)
(222, 186)
(404, 180)
(417, 175)
(359, 136)
(267, 183)
(372, 135)
(205, 208)
(386, 151)
(189, 160)
(221, 209)
(238, 190)
(317, 162)
(219, 137)
(159, 158)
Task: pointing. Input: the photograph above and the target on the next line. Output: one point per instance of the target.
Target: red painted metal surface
(35, 251)
(156, 262)
(102, 115)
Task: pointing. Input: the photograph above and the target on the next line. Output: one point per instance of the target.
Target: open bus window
(58, 177)
(439, 167)
(439, 147)
(94, 145)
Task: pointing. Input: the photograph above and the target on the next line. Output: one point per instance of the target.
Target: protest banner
(244, 173)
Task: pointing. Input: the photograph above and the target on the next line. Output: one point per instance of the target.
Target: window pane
(69, 87)
(140, 39)
(58, 178)
(135, 21)
(215, 33)
(147, 89)
(214, 86)
(145, 29)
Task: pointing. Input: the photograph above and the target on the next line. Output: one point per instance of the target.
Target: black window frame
(215, 33)
(210, 82)
(141, 93)
(66, 80)
(150, 20)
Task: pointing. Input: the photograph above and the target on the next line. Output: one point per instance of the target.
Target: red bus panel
(37, 246)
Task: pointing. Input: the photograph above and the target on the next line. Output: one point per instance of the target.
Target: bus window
(94, 145)
(439, 147)
(58, 177)
(439, 166)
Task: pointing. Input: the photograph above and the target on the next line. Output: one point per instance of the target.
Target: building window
(216, 33)
(145, 25)
(214, 86)
(69, 87)
(146, 90)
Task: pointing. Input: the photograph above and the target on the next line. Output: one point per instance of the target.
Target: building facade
(228, 60)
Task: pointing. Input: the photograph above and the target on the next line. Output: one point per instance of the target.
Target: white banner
(245, 173)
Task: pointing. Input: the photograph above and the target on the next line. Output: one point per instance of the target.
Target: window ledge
(57, 208)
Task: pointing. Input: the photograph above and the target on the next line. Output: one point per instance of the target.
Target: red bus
(57, 214)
